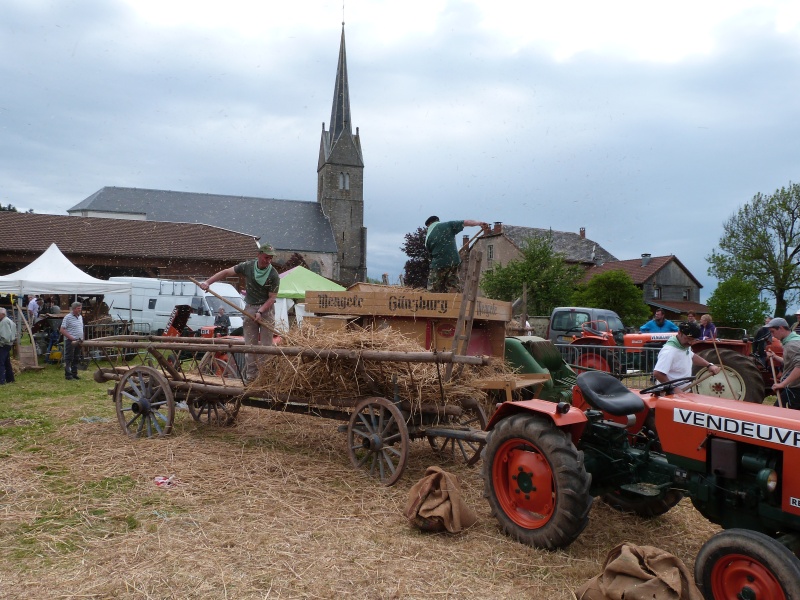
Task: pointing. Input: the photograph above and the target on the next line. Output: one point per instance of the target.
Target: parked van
(151, 301)
(566, 321)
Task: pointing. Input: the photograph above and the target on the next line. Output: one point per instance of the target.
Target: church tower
(340, 182)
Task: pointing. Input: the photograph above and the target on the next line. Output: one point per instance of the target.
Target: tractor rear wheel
(739, 379)
(740, 563)
(536, 482)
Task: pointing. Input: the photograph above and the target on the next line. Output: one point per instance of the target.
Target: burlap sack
(635, 572)
(435, 503)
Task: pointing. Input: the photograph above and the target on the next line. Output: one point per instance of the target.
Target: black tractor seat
(604, 392)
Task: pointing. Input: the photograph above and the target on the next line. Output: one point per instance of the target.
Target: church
(328, 233)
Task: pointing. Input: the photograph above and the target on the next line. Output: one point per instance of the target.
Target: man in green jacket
(441, 244)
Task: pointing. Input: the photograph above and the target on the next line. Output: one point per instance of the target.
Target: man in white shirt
(676, 358)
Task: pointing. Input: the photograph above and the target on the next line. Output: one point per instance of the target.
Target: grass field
(269, 508)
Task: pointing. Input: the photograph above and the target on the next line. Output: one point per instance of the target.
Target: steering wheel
(665, 385)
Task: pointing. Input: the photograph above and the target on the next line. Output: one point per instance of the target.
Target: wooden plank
(515, 382)
(402, 304)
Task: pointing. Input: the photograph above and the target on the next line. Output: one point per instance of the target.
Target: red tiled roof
(33, 233)
(680, 306)
(640, 274)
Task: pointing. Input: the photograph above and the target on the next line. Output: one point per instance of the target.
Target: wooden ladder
(466, 313)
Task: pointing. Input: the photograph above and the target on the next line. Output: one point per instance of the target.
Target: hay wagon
(205, 374)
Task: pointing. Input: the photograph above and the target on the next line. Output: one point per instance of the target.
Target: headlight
(768, 480)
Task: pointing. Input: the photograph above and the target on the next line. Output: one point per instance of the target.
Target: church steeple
(340, 113)
(340, 181)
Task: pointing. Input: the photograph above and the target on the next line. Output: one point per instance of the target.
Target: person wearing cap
(676, 358)
(261, 291)
(789, 386)
(440, 241)
(72, 330)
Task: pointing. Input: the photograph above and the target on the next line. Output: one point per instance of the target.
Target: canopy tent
(296, 282)
(53, 273)
(294, 285)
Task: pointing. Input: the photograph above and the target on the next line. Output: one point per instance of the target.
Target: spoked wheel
(377, 439)
(145, 403)
(219, 411)
(739, 379)
(454, 450)
(739, 563)
(536, 482)
(219, 364)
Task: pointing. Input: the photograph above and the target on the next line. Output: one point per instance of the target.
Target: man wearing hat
(261, 291)
(72, 330)
(440, 242)
(788, 387)
(676, 358)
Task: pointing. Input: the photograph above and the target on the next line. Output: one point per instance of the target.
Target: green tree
(761, 244)
(736, 303)
(615, 291)
(550, 279)
(415, 271)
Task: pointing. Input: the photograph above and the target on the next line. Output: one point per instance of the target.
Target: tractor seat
(604, 392)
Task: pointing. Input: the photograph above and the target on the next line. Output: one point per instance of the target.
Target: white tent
(53, 273)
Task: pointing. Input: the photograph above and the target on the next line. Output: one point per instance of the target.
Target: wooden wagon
(205, 375)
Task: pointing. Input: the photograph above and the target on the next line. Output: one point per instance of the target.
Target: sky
(649, 124)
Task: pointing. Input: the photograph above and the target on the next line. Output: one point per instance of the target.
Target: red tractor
(544, 462)
(746, 373)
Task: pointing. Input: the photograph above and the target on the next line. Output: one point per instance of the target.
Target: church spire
(340, 113)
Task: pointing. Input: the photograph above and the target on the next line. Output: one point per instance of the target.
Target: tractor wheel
(646, 508)
(740, 563)
(740, 379)
(536, 482)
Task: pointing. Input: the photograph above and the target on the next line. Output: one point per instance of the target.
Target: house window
(656, 292)
(687, 294)
(344, 181)
(490, 252)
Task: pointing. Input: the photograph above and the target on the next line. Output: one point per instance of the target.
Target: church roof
(294, 225)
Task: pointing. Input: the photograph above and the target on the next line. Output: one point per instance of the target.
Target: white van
(151, 301)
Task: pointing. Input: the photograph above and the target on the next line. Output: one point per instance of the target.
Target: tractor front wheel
(740, 563)
(739, 378)
(535, 481)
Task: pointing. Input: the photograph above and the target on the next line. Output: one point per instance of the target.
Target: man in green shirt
(441, 244)
(261, 290)
(789, 385)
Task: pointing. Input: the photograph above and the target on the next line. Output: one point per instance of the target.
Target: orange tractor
(746, 374)
(641, 452)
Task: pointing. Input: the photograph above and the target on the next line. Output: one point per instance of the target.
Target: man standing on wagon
(440, 242)
(261, 290)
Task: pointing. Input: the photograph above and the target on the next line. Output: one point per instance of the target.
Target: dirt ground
(270, 508)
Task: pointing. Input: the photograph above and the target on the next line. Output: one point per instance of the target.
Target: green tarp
(296, 282)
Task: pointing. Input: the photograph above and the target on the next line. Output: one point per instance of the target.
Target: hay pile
(320, 380)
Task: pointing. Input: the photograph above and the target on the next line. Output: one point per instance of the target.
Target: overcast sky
(647, 123)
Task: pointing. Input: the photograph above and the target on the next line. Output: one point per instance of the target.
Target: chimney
(498, 227)
(385, 279)
(583, 233)
(465, 240)
(645, 259)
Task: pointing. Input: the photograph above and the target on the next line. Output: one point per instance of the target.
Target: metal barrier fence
(48, 339)
(93, 331)
(632, 366)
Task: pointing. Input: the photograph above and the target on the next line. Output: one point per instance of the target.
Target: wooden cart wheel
(452, 449)
(219, 364)
(145, 403)
(377, 439)
(219, 411)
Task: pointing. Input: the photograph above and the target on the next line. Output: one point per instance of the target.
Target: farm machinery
(745, 374)
(545, 461)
